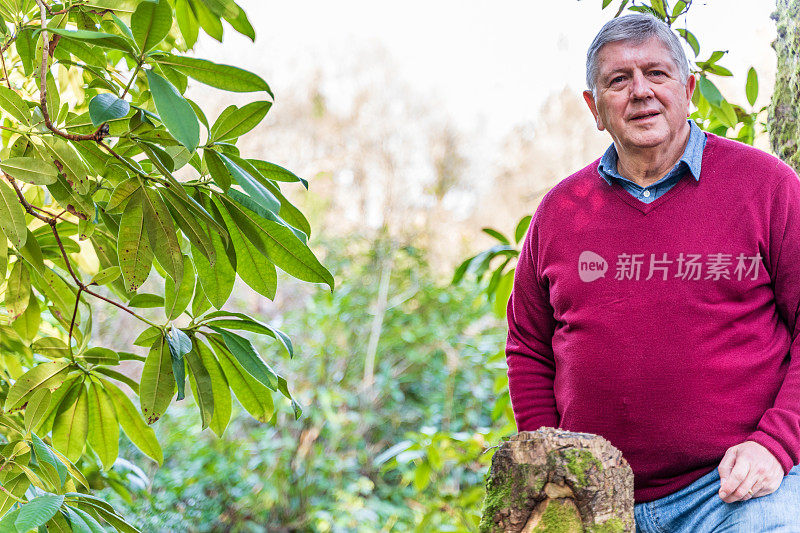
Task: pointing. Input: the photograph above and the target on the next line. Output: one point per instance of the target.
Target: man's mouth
(644, 115)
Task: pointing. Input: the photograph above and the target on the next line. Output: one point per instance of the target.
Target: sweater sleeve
(529, 351)
(779, 427)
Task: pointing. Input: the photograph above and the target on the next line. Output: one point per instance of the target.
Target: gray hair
(635, 28)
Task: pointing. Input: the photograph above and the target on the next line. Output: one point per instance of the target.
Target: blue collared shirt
(691, 160)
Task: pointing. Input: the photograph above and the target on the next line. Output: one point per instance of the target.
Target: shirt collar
(692, 155)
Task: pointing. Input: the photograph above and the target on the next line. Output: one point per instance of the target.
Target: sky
(490, 66)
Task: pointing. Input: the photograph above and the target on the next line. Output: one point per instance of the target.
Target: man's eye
(658, 72)
(617, 79)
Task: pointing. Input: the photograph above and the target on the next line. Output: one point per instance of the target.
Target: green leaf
(52, 98)
(217, 280)
(119, 6)
(726, 114)
(27, 325)
(502, 293)
(219, 387)
(177, 299)
(72, 164)
(247, 323)
(140, 434)
(175, 112)
(71, 425)
(14, 105)
(243, 351)
(691, 39)
(179, 345)
(50, 347)
(104, 437)
(223, 77)
(241, 24)
(43, 375)
(252, 394)
(122, 193)
(219, 172)
(187, 22)
(3, 255)
(497, 235)
(253, 267)
(135, 255)
(18, 290)
(147, 337)
(281, 245)
(221, 8)
(202, 387)
(522, 228)
(17, 487)
(26, 48)
(46, 455)
(30, 170)
(751, 88)
(100, 355)
(37, 408)
(82, 521)
(234, 121)
(161, 234)
(271, 171)
(106, 106)
(12, 216)
(191, 228)
(709, 91)
(256, 190)
(38, 511)
(105, 40)
(157, 384)
(105, 276)
(150, 23)
(208, 21)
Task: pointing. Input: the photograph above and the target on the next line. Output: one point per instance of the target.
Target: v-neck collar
(646, 208)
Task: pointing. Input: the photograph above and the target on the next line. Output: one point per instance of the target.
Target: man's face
(640, 98)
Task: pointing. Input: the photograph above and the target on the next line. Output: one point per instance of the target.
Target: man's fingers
(726, 464)
(735, 479)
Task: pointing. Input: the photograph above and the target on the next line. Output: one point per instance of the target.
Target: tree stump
(551, 480)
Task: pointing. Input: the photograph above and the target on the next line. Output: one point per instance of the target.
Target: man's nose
(640, 88)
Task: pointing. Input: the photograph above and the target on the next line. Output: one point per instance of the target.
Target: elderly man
(656, 301)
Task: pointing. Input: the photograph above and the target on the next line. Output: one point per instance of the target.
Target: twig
(97, 135)
(74, 314)
(5, 72)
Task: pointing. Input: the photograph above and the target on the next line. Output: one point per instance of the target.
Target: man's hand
(748, 467)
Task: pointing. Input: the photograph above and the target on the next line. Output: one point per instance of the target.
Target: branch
(74, 314)
(101, 132)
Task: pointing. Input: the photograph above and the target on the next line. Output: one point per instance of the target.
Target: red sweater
(668, 328)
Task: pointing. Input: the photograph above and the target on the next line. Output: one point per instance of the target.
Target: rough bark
(783, 122)
(554, 480)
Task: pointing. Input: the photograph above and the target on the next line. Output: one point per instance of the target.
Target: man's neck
(645, 166)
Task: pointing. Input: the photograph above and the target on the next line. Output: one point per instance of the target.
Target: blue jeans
(697, 508)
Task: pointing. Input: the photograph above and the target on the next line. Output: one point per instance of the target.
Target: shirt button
(646, 194)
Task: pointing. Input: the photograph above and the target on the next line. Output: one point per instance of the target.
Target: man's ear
(691, 84)
(587, 96)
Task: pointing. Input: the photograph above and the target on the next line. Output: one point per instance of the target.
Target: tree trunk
(556, 480)
(783, 122)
